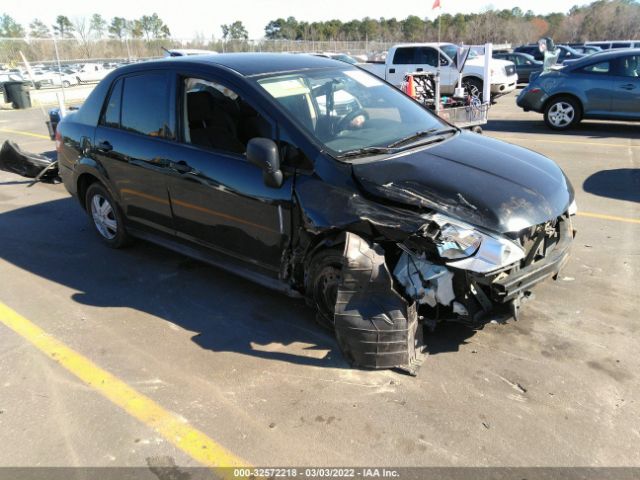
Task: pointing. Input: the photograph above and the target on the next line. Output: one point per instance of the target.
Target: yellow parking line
(570, 142)
(188, 439)
(28, 134)
(608, 217)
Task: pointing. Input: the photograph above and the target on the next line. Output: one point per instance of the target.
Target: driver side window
(217, 118)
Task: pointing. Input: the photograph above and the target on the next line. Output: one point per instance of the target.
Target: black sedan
(320, 180)
(525, 64)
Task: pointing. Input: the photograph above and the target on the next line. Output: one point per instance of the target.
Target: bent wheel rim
(561, 114)
(104, 217)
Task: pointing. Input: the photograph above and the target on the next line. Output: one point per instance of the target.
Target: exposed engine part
(375, 326)
(424, 281)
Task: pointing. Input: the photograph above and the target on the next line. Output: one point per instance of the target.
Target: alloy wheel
(104, 217)
(561, 114)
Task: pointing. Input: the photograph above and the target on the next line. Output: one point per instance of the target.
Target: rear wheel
(562, 113)
(105, 216)
(66, 83)
(323, 279)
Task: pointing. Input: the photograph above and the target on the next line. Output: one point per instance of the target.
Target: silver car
(604, 85)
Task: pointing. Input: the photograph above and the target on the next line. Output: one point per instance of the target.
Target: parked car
(374, 215)
(604, 85)
(343, 57)
(429, 57)
(611, 44)
(586, 49)
(91, 72)
(525, 64)
(566, 52)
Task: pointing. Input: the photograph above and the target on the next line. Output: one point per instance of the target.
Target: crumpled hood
(477, 179)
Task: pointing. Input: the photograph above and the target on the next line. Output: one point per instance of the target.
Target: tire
(38, 85)
(472, 86)
(562, 113)
(66, 83)
(322, 280)
(106, 217)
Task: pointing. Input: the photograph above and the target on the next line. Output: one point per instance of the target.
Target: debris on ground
(26, 164)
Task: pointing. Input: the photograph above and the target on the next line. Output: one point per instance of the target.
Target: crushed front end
(446, 271)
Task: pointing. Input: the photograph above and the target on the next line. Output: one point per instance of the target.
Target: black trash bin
(18, 94)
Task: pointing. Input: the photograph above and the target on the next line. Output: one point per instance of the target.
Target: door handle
(628, 86)
(392, 70)
(104, 146)
(181, 167)
(419, 69)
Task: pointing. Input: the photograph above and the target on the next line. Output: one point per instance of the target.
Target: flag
(436, 4)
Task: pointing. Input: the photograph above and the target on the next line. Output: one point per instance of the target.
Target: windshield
(347, 110)
(452, 51)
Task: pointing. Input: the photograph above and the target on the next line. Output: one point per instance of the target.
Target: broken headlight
(457, 242)
(465, 247)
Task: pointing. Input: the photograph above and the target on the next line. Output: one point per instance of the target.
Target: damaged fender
(375, 326)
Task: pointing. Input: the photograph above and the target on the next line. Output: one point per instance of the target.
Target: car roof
(247, 64)
(604, 56)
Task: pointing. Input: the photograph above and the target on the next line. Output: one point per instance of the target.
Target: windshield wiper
(420, 134)
(361, 152)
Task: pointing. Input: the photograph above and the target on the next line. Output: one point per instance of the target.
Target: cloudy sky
(185, 19)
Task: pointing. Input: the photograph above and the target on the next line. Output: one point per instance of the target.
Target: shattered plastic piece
(26, 164)
(460, 309)
(375, 327)
(424, 281)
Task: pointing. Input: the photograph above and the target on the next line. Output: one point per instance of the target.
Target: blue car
(604, 85)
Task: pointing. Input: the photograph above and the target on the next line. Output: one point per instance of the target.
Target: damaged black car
(320, 180)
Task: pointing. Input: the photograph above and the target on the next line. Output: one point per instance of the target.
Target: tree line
(602, 19)
(96, 27)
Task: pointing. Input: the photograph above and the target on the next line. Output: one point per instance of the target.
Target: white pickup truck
(424, 57)
(91, 72)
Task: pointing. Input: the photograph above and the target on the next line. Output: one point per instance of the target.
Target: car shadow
(54, 241)
(586, 128)
(618, 183)
(447, 337)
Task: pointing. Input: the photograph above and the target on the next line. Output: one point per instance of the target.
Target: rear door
(404, 61)
(133, 144)
(626, 87)
(218, 198)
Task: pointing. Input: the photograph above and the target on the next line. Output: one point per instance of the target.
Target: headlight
(467, 248)
(457, 242)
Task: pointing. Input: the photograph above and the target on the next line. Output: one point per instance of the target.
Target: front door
(218, 198)
(626, 87)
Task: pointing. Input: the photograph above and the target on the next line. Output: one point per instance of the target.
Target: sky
(186, 19)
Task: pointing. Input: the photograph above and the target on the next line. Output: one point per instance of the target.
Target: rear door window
(404, 56)
(621, 45)
(145, 105)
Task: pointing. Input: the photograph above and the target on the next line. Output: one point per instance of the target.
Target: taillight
(58, 141)
(535, 90)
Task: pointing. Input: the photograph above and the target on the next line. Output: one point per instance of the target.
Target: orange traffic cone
(410, 88)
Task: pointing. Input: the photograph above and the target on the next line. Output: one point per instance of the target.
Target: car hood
(476, 179)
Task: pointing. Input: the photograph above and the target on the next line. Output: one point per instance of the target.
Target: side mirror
(263, 153)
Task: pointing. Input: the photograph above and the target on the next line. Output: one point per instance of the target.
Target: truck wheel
(323, 279)
(562, 113)
(105, 216)
(66, 83)
(473, 86)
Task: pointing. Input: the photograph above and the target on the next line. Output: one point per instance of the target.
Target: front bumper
(502, 88)
(521, 281)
